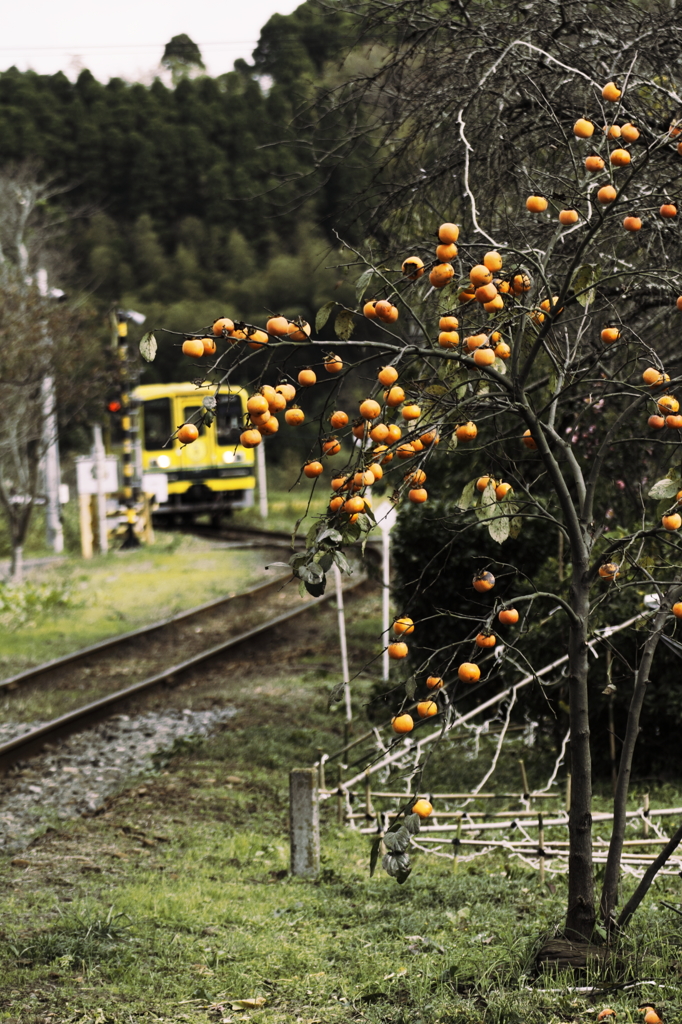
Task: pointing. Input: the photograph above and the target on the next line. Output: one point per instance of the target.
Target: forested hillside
(182, 204)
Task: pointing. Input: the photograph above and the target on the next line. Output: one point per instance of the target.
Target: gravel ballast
(75, 776)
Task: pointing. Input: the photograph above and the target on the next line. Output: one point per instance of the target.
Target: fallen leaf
(248, 1004)
(233, 778)
(20, 862)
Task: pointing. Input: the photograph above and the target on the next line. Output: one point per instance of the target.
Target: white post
(342, 640)
(385, 515)
(98, 452)
(262, 481)
(304, 823)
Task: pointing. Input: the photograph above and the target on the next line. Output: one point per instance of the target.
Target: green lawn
(286, 507)
(175, 905)
(122, 590)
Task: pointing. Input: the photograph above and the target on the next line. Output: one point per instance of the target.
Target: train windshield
(157, 423)
(228, 419)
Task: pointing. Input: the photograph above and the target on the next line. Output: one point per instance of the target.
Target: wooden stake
(320, 768)
(85, 515)
(369, 810)
(456, 844)
(646, 815)
(541, 845)
(339, 797)
(524, 780)
(568, 792)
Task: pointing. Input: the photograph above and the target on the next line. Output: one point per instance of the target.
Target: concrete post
(98, 451)
(304, 823)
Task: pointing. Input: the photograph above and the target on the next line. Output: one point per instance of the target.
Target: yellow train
(214, 474)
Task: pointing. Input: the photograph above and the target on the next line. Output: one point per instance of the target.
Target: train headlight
(163, 461)
(228, 456)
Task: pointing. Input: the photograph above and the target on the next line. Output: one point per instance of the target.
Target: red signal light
(114, 406)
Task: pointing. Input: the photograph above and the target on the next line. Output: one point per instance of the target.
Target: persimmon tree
(528, 347)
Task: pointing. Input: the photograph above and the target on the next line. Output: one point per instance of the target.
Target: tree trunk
(580, 915)
(16, 568)
(609, 895)
(649, 875)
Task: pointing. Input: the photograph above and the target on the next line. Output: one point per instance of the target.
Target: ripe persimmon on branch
(532, 361)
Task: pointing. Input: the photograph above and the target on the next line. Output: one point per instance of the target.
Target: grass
(176, 905)
(122, 590)
(286, 507)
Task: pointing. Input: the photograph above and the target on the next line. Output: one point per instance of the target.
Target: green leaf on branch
(413, 824)
(663, 508)
(397, 842)
(515, 527)
(148, 347)
(326, 560)
(343, 563)
(331, 534)
(311, 573)
(362, 283)
(323, 314)
(447, 298)
(337, 693)
(467, 495)
(584, 282)
(344, 324)
(316, 589)
(664, 489)
(311, 536)
(374, 855)
(488, 507)
(499, 529)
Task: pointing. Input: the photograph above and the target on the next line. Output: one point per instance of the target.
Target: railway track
(76, 719)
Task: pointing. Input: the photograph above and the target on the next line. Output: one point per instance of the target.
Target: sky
(126, 38)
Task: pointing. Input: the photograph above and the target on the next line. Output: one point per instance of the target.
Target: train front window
(157, 424)
(228, 419)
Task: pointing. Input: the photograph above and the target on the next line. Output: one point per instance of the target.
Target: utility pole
(50, 462)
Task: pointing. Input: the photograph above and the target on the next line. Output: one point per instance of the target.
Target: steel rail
(32, 742)
(112, 641)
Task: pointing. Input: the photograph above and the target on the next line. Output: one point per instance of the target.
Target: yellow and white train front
(211, 474)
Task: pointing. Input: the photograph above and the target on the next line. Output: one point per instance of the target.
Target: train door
(200, 453)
